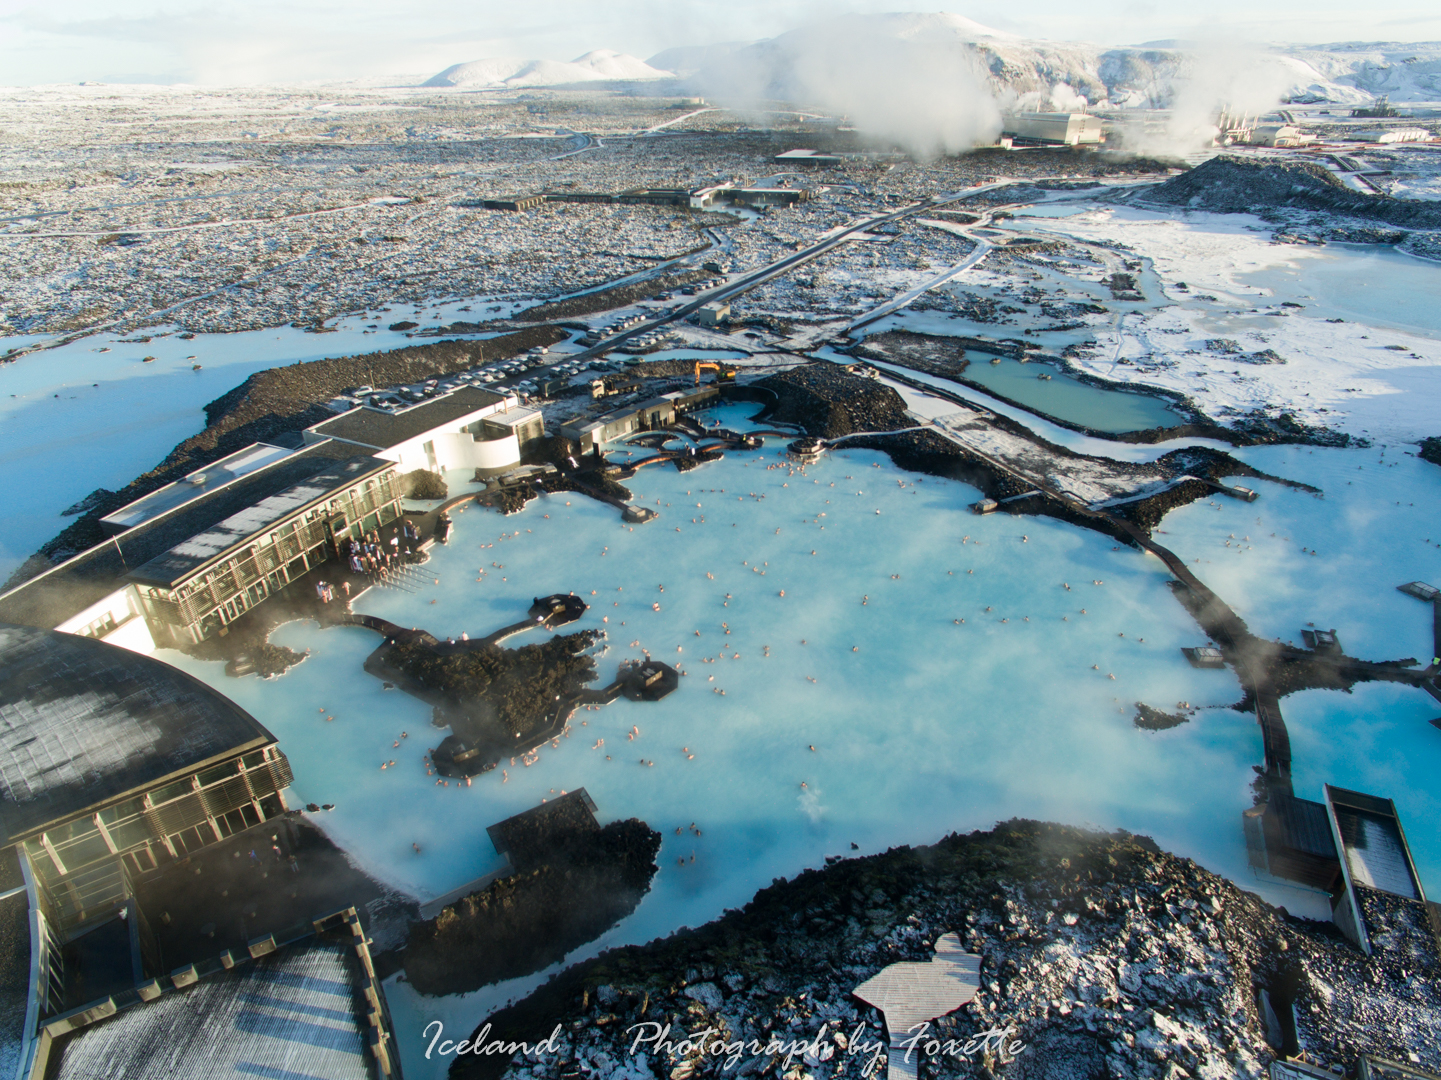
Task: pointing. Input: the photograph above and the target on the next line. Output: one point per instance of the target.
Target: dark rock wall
(1109, 957)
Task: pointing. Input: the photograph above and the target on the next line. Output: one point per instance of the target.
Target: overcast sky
(228, 42)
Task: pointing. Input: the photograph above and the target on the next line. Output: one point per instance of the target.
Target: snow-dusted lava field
(926, 670)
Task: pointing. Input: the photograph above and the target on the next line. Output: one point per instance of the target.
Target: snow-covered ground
(1375, 374)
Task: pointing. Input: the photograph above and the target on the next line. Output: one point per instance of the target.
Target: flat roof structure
(1066, 129)
(382, 428)
(193, 485)
(524, 838)
(87, 723)
(309, 1010)
(807, 157)
(1374, 846)
(515, 418)
(1382, 905)
(240, 529)
(51, 598)
(1290, 839)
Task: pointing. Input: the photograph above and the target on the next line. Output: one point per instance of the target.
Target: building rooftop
(383, 429)
(84, 722)
(526, 837)
(180, 561)
(50, 598)
(514, 418)
(1374, 846)
(296, 1013)
(193, 485)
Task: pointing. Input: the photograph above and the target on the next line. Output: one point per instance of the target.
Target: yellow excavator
(723, 373)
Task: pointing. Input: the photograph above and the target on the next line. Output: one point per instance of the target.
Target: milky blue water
(921, 725)
(1070, 399)
(1370, 283)
(1377, 527)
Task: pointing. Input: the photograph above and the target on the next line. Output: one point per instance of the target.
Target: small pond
(1068, 399)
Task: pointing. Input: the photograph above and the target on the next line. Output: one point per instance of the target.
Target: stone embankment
(1106, 956)
(829, 402)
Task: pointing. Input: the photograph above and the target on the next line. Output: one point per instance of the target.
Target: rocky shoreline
(1103, 955)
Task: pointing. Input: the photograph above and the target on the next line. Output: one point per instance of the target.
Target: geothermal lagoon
(935, 660)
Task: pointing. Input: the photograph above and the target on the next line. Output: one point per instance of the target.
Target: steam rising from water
(939, 84)
(926, 93)
(1217, 77)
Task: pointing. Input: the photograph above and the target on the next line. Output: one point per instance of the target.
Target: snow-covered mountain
(1030, 72)
(861, 63)
(1358, 71)
(510, 71)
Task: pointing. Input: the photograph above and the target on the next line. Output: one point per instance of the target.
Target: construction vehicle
(723, 373)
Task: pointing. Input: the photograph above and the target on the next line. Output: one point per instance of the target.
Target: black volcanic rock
(586, 881)
(1231, 185)
(1110, 957)
(828, 401)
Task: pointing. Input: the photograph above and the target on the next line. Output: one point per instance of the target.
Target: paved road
(746, 282)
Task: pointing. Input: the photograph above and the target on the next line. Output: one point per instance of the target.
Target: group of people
(376, 558)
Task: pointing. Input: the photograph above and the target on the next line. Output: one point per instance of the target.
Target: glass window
(62, 834)
(120, 811)
(131, 833)
(218, 773)
(171, 791)
(83, 850)
(254, 760)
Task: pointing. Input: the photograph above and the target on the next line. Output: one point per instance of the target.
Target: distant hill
(959, 75)
(510, 71)
(686, 60)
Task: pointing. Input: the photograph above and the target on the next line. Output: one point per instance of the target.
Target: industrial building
(714, 314)
(1394, 135)
(698, 199)
(1053, 129)
(733, 195)
(809, 158)
(466, 429)
(1279, 135)
(522, 202)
